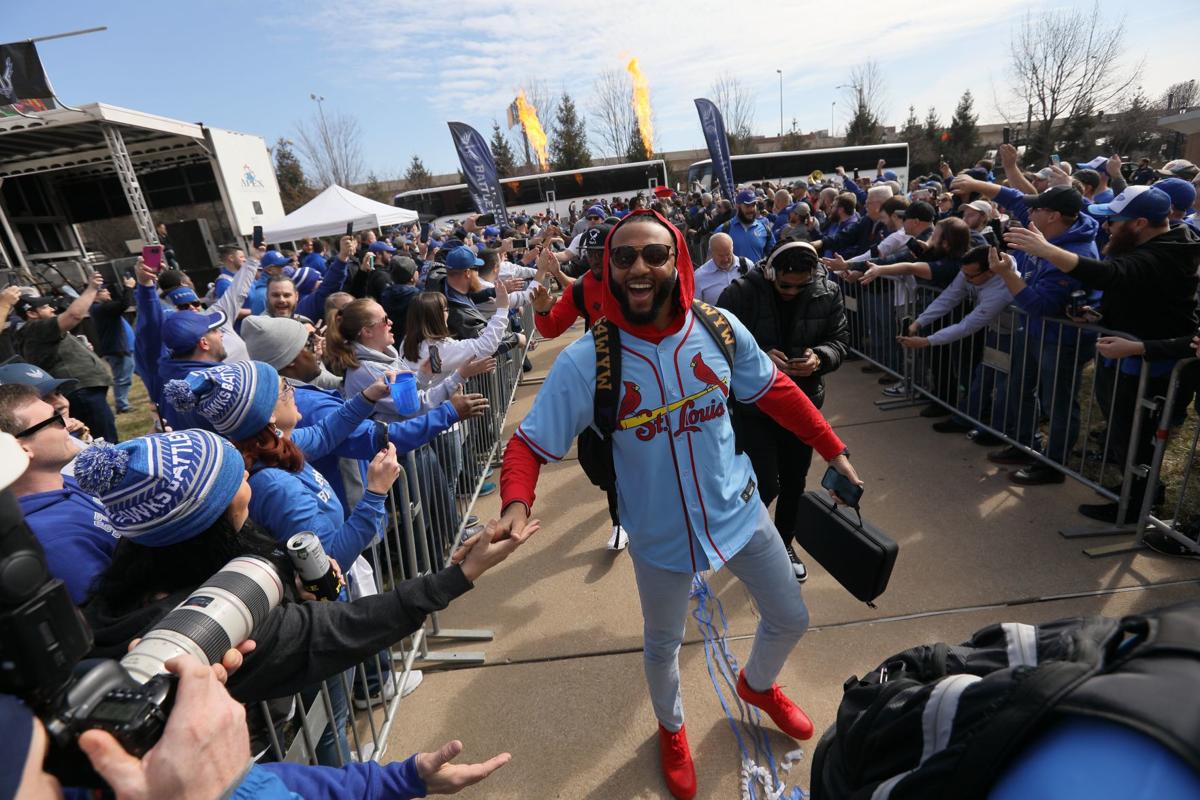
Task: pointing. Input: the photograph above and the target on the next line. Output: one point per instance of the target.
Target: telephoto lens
(219, 615)
(314, 567)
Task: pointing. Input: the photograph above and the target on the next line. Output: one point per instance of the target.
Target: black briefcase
(857, 554)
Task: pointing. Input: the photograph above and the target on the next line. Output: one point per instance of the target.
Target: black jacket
(298, 644)
(395, 301)
(858, 238)
(110, 333)
(1149, 292)
(819, 322)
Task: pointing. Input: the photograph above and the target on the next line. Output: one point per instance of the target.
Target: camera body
(43, 639)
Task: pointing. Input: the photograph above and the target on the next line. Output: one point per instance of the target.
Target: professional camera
(43, 637)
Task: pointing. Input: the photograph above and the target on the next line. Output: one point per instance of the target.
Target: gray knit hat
(275, 340)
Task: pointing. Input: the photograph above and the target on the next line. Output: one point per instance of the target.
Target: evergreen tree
(921, 157)
(637, 149)
(374, 189)
(568, 148)
(294, 188)
(864, 127)
(935, 137)
(416, 176)
(502, 154)
(963, 144)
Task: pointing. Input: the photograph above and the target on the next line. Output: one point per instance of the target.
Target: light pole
(780, 102)
(832, 105)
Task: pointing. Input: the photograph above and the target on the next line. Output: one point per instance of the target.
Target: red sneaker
(786, 714)
(678, 770)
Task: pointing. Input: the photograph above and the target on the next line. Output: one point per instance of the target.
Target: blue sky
(405, 68)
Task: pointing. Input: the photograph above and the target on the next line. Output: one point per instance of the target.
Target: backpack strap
(718, 328)
(607, 397)
(987, 751)
(580, 304)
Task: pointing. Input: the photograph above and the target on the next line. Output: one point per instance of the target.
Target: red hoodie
(784, 402)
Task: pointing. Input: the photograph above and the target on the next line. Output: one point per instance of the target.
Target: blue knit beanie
(306, 280)
(237, 399)
(163, 489)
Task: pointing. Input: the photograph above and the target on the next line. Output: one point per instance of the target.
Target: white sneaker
(798, 569)
(619, 539)
(389, 690)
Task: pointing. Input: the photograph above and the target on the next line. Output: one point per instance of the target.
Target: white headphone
(769, 270)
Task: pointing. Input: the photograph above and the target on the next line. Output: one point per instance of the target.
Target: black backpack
(937, 721)
(595, 448)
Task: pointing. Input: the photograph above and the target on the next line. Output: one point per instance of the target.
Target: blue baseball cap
(491, 231)
(888, 175)
(1096, 163)
(182, 295)
(274, 258)
(28, 375)
(380, 246)
(462, 258)
(1136, 202)
(1181, 192)
(183, 329)
(596, 211)
(746, 197)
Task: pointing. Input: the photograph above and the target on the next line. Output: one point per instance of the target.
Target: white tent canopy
(327, 215)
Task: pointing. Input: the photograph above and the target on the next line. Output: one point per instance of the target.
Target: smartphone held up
(152, 257)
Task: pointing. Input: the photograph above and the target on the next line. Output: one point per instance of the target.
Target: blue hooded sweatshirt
(369, 437)
(75, 532)
(286, 503)
(355, 781)
(1048, 289)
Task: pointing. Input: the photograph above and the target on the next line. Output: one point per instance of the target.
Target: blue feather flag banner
(713, 125)
(480, 169)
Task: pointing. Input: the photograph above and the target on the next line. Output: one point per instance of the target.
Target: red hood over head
(686, 281)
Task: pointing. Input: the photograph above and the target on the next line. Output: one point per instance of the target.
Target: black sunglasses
(57, 419)
(655, 255)
(595, 218)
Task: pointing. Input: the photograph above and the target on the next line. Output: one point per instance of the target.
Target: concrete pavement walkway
(563, 688)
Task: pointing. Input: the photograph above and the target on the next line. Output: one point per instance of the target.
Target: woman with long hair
(428, 341)
(359, 345)
(939, 262)
(250, 404)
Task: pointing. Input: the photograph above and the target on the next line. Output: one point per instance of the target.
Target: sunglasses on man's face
(57, 419)
(654, 255)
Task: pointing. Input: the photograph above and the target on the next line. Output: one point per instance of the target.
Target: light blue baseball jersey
(688, 500)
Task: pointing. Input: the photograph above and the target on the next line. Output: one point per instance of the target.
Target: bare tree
(332, 146)
(1180, 96)
(736, 104)
(1065, 67)
(865, 96)
(612, 111)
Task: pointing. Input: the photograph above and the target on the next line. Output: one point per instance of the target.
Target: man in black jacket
(465, 319)
(797, 317)
(116, 336)
(1149, 282)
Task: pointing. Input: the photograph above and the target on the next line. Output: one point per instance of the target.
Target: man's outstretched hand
(442, 777)
(493, 544)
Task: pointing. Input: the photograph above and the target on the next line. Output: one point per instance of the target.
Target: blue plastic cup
(404, 393)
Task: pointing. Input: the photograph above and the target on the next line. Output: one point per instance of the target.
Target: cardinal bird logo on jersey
(705, 374)
(631, 400)
(648, 423)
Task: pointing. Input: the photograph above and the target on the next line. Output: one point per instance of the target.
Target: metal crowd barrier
(1034, 383)
(427, 515)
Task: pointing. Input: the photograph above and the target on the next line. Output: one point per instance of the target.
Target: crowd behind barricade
(349, 393)
(1029, 306)
(333, 389)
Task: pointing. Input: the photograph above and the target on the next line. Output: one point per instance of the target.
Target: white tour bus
(530, 194)
(789, 166)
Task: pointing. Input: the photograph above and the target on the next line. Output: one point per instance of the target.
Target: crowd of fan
(273, 392)
(1050, 250)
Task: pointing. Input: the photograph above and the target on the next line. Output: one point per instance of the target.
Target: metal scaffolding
(129, 184)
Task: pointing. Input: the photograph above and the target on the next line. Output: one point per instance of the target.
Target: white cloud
(466, 62)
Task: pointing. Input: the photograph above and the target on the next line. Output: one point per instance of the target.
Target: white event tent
(327, 215)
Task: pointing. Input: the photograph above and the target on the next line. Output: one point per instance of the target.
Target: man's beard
(1121, 240)
(662, 295)
(744, 218)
